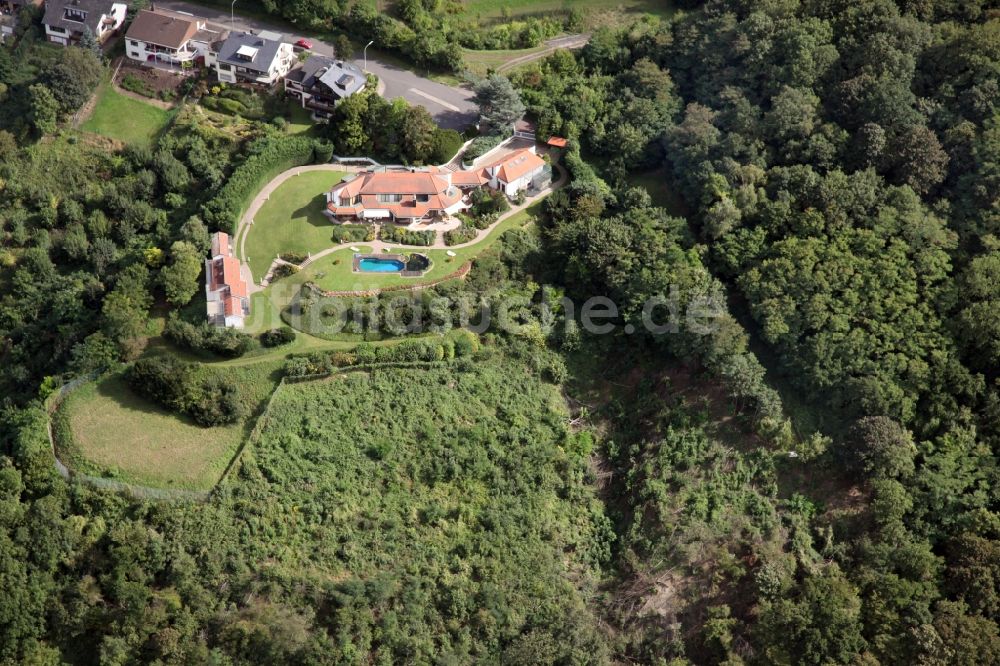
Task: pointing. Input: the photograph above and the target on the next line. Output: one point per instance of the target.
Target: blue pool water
(370, 265)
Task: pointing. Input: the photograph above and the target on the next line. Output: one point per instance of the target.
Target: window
(390, 198)
(55, 28)
(77, 15)
(423, 198)
(133, 42)
(225, 68)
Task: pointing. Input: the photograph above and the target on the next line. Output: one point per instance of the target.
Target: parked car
(304, 44)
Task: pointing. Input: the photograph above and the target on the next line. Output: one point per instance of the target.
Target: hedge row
(457, 344)
(267, 157)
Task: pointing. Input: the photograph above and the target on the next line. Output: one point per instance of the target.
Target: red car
(304, 44)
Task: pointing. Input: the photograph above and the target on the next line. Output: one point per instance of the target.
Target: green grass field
(125, 119)
(291, 220)
(117, 434)
(334, 272)
(495, 9)
(480, 62)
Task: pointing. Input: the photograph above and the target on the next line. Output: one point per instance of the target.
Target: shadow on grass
(312, 212)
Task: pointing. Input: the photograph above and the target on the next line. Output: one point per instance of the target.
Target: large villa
(429, 194)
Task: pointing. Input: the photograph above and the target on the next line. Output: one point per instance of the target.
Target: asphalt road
(451, 107)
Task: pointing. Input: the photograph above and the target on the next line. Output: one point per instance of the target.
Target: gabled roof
(518, 165)
(55, 11)
(170, 31)
(434, 191)
(265, 50)
(220, 244)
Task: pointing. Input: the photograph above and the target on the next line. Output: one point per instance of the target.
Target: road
(451, 107)
(552, 45)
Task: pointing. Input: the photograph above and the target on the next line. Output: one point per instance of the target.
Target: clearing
(104, 429)
(291, 220)
(125, 119)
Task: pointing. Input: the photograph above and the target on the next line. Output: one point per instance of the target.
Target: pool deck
(401, 258)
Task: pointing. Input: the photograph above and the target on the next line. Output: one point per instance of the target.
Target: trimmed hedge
(207, 338)
(266, 158)
(393, 234)
(353, 233)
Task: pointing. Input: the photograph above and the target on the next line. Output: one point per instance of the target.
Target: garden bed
(150, 82)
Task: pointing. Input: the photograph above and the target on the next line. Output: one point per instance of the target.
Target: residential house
(226, 291)
(170, 37)
(401, 195)
(247, 58)
(522, 170)
(66, 21)
(321, 82)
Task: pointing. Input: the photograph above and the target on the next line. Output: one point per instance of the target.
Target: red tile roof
(517, 165)
(430, 185)
(556, 142)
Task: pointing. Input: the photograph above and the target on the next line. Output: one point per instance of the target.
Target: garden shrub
(294, 257)
(322, 151)
(204, 337)
(394, 234)
(353, 233)
(464, 234)
(277, 337)
(283, 271)
(134, 84)
(482, 145)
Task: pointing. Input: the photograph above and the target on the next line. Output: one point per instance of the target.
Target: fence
(52, 403)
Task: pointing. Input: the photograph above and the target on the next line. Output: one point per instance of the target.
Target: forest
(811, 481)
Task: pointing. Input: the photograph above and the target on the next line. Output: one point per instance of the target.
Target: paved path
(568, 42)
(377, 245)
(451, 107)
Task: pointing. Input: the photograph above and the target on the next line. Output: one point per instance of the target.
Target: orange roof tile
(233, 306)
(556, 142)
(519, 164)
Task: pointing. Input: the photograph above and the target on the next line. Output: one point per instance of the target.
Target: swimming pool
(377, 265)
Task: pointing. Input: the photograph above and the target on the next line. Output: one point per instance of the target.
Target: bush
(353, 233)
(482, 145)
(266, 158)
(293, 257)
(394, 234)
(277, 337)
(322, 151)
(464, 234)
(283, 271)
(446, 144)
(174, 384)
(134, 84)
(204, 337)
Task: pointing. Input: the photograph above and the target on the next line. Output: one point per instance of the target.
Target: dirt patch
(157, 86)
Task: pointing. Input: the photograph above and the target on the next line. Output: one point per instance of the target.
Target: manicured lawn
(291, 220)
(334, 272)
(126, 119)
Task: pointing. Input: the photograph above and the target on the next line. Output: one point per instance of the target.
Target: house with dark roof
(66, 21)
(321, 82)
(226, 292)
(173, 38)
(248, 58)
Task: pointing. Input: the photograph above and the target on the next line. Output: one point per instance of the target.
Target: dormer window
(74, 14)
(246, 53)
(423, 198)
